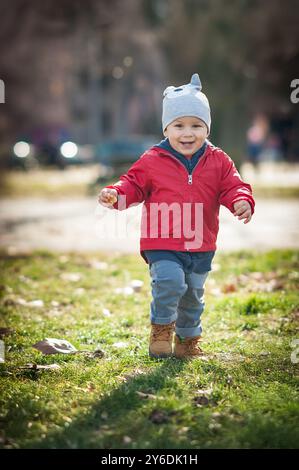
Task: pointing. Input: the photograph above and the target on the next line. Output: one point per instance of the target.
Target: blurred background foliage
(95, 69)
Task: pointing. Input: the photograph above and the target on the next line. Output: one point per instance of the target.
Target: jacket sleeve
(133, 186)
(232, 187)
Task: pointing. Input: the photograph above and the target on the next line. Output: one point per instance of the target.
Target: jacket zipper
(190, 178)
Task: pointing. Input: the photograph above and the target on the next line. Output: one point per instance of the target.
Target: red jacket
(159, 177)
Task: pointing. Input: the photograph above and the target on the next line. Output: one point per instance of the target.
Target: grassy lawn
(242, 394)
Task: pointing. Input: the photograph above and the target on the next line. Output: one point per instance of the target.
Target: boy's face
(186, 135)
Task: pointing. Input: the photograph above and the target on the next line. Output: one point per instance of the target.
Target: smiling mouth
(189, 143)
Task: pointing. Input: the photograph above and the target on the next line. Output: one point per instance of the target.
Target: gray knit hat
(186, 100)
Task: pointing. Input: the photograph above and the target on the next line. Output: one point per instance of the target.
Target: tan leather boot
(187, 347)
(161, 340)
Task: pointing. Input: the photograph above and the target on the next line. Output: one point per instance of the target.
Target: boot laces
(162, 332)
(193, 346)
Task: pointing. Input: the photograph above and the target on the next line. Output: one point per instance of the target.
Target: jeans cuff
(163, 320)
(188, 332)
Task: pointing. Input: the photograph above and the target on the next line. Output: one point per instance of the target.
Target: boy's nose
(187, 132)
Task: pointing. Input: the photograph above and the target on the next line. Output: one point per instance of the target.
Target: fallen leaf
(55, 346)
(6, 331)
(229, 380)
(146, 395)
(98, 353)
(264, 353)
(227, 288)
(158, 417)
(10, 300)
(41, 367)
(201, 400)
(206, 391)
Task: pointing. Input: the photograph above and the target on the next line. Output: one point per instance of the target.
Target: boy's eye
(180, 125)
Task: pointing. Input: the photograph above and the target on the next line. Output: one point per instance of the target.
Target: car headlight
(21, 149)
(69, 149)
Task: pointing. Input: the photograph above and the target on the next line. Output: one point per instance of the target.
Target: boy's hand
(243, 211)
(108, 197)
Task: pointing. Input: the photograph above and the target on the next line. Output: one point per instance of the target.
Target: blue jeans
(177, 296)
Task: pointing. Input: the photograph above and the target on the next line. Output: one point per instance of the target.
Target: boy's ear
(165, 132)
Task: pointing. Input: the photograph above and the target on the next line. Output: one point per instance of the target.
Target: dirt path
(81, 225)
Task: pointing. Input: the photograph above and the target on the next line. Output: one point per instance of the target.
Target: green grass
(248, 378)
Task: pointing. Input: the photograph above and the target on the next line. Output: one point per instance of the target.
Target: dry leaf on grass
(11, 300)
(146, 395)
(41, 367)
(97, 353)
(158, 417)
(201, 400)
(6, 331)
(227, 288)
(55, 346)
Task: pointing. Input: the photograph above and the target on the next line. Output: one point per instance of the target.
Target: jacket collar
(160, 150)
(165, 144)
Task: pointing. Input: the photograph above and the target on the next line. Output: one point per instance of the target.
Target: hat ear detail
(167, 90)
(195, 81)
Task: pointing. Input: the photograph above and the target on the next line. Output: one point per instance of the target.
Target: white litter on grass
(100, 265)
(79, 291)
(54, 346)
(106, 312)
(124, 290)
(35, 303)
(136, 284)
(73, 277)
(120, 345)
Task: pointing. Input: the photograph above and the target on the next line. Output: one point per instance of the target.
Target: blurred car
(120, 153)
(28, 155)
(49, 146)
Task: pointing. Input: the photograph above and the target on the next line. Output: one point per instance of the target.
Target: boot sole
(159, 356)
